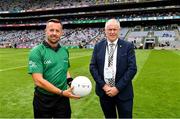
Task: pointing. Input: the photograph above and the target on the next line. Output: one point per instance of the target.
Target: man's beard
(53, 42)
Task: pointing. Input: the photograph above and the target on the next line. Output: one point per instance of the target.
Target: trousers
(51, 106)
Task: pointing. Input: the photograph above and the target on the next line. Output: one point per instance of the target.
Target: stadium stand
(146, 23)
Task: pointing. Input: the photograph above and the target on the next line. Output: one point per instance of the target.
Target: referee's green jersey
(53, 64)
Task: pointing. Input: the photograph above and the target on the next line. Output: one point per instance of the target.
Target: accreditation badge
(108, 73)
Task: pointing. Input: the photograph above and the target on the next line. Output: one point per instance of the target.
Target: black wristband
(69, 81)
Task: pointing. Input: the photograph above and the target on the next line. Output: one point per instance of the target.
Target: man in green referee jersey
(48, 65)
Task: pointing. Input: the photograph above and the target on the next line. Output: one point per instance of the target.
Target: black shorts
(51, 106)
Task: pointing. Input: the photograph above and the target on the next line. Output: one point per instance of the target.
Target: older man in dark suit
(113, 66)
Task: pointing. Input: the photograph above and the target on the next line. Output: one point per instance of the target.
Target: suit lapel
(119, 50)
(103, 53)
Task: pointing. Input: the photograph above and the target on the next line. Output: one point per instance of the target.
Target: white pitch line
(7, 69)
(79, 56)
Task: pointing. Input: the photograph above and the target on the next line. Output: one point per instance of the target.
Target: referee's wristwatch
(61, 93)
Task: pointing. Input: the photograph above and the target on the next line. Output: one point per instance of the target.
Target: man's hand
(112, 92)
(68, 93)
(106, 88)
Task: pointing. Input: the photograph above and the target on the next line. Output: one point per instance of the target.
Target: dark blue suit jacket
(125, 68)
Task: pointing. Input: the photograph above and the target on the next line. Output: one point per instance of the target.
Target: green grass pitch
(156, 85)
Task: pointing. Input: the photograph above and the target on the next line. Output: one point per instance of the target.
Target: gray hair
(112, 21)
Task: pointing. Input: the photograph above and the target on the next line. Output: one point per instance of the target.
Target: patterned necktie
(110, 57)
(111, 81)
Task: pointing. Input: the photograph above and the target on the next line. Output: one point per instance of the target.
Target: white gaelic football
(82, 86)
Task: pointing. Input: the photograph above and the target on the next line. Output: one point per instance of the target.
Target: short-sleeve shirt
(52, 64)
